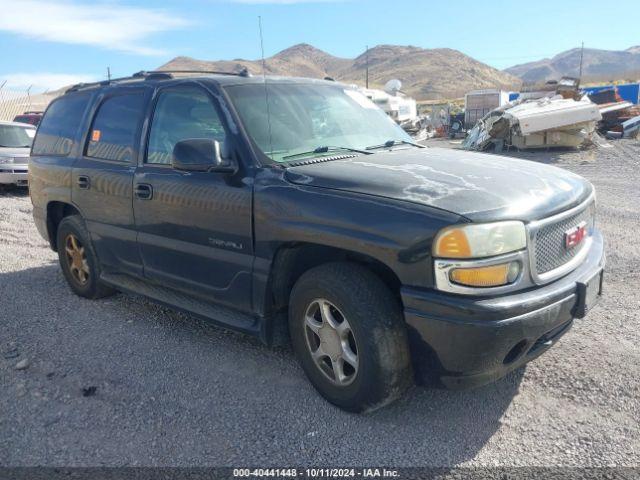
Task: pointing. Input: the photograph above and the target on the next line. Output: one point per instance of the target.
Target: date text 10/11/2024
(316, 472)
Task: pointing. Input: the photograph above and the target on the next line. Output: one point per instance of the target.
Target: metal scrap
(620, 118)
(541, 123)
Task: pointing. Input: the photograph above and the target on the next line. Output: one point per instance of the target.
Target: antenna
(367, 66)
(264, 79)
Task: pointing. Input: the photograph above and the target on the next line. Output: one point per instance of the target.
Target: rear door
(102, 180)
(194, 228)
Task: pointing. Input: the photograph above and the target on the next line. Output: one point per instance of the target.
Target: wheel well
(291, 261)
(56, 211)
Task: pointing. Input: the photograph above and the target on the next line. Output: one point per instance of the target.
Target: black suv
(296, 209)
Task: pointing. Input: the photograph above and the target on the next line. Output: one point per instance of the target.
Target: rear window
(115, 127)
(60, 124)
(31, 120)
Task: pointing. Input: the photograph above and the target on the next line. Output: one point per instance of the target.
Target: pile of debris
(620, 119)
(554, 121)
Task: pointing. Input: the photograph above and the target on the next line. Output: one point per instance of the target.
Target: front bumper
(467, 341)
(14, 174)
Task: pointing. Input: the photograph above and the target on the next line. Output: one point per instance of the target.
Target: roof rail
(136, 76)
(242, 73)
(153, 75)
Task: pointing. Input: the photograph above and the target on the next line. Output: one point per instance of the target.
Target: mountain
(425, 73)
(598, 65)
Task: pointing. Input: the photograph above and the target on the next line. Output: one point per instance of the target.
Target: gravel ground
(121, 381)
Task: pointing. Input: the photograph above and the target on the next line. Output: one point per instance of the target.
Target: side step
(223, 316)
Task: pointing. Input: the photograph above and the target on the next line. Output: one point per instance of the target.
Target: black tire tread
(381, 317)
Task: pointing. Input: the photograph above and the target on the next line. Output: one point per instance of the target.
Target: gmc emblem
(575, 235)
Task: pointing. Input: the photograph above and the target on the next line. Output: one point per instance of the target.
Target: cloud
(111, 26)
(281, 2)
(42, 81)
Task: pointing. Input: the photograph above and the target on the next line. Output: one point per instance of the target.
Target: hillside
(598, 65)
(425, 73)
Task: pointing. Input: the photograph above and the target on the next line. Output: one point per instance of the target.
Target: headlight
(480, 240)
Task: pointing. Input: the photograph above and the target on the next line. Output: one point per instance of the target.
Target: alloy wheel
(331, 342)
(76, 259)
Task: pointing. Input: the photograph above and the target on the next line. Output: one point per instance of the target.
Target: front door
(194, 228)
(102, 180)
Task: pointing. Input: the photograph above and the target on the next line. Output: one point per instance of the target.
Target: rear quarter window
(59, 126)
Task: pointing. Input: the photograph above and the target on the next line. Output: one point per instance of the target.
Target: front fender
(395, 233)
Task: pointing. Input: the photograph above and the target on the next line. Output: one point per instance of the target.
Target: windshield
(308, 118)
(15, 137)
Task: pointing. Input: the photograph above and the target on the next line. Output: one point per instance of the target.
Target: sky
(52, 43)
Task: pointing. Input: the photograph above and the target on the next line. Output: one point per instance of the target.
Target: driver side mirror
(202, 155)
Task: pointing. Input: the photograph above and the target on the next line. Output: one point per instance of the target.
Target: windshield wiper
(326, 149)
(391, 143)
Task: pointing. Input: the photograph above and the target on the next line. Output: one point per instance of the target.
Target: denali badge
(575, 235)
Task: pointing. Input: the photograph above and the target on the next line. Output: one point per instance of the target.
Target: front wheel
(349, 335)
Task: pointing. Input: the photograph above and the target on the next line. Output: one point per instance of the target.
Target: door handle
(143, 191)
(84, 182)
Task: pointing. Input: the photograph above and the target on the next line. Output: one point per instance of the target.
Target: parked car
(296, 209)
(15, 142)
(32, 118)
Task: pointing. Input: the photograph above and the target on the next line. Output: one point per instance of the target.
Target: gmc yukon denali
(296, 210)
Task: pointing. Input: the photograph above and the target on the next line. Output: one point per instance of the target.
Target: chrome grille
(550, 251)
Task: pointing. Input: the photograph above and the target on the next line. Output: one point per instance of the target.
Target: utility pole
(367, 66)
(109, 73)
(581, 58)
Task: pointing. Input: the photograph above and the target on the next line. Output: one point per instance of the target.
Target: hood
(478, 186)
(20, 155)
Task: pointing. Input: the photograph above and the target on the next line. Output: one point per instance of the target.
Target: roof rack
(242, 73)
(78, 86)
(154, 75)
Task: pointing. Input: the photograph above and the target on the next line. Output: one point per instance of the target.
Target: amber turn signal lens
(492, 276)
(453, 244)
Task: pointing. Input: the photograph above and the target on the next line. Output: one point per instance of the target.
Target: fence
(14, 102)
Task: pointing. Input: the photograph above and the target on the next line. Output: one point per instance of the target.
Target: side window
(179, 115)
(60, 125)
(115, 126)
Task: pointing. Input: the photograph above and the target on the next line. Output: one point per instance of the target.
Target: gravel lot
(172, 390)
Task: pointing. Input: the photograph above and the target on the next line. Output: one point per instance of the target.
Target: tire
(374, 336)
(78, 260)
